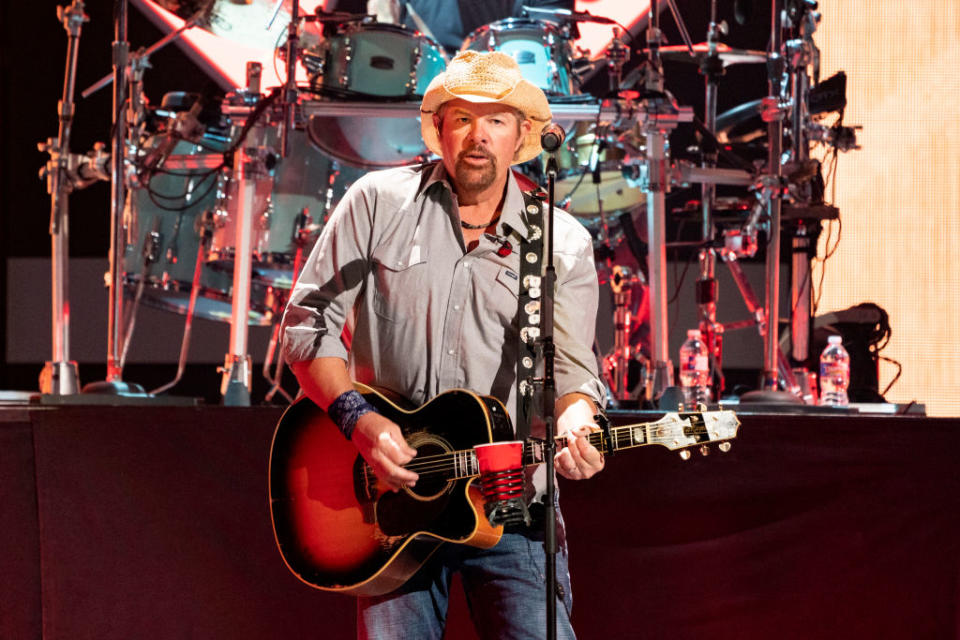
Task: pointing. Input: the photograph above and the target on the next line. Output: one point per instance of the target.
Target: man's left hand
(579, 459)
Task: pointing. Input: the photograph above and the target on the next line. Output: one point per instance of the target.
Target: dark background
(32, 58)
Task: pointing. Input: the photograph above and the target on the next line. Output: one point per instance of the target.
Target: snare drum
(542, 50)
(168, 211)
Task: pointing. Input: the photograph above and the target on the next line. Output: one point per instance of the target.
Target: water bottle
(834, 373)
(694, 370)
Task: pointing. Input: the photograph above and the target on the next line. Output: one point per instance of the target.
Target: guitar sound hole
(431, 464)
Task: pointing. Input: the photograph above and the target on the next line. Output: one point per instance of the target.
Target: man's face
(478, 141)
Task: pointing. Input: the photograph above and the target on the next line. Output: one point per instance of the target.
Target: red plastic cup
(493, 457)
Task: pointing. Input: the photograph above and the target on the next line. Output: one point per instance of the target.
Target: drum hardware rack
(654, 116)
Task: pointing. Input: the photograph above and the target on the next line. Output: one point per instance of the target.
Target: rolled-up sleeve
(332, 278)
(575, 315)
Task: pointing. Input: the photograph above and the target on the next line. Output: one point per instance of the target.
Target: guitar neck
(670, 431)
(673, 431)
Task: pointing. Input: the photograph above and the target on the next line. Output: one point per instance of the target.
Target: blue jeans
(505, 590)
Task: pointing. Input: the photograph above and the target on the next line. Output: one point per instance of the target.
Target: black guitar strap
(528, 316)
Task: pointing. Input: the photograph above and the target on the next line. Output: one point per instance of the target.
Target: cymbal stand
(114, 383)
(772, 188)
(59, 375)
(136, 123)
(658, 116)
(706, 286)
(615, 364)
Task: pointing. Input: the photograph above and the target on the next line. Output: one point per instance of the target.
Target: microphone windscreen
(552, 137)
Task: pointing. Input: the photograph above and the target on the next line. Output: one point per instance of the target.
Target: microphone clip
(505, 248)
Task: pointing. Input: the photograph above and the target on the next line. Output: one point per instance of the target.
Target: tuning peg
(724, 447)
(685, 455)
(704, 450)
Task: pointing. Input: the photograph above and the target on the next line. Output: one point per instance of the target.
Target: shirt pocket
(400, 286)
(504, 294)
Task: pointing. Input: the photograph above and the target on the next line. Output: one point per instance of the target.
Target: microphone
(552, 137)
(185, 125)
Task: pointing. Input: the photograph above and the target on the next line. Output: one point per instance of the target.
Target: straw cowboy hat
(486, 77)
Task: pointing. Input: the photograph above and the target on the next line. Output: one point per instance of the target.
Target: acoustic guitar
(338, 529)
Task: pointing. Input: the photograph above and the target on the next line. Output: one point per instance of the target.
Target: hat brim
(525, 97)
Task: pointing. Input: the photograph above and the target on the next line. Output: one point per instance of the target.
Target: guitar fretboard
(673, 431)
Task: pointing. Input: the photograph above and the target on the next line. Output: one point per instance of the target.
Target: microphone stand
(549, 399)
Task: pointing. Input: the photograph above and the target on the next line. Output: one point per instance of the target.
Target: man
(421, 265)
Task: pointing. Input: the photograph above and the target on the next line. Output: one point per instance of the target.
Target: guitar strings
(623, 437)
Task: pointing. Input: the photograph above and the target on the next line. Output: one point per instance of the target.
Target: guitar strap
(528, 314)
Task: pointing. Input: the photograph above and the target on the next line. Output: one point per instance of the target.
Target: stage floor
(153, 522)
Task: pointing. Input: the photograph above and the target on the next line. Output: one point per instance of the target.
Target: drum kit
(216, 204)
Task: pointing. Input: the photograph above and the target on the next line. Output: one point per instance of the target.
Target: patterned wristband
(347, 409)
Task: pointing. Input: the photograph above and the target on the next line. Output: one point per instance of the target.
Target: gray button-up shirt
(422, 314)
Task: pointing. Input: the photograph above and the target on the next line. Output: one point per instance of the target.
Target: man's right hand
(382, 445)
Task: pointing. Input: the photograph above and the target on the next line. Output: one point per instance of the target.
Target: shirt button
(456, 307)
(450, 352)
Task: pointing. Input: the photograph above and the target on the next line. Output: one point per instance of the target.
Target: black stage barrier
(152, 522)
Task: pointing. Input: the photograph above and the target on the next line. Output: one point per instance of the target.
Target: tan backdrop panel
(899, 196)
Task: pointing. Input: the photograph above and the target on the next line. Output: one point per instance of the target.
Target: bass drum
(167, 214)
(541, 49)
(306, 182)
(374, 62)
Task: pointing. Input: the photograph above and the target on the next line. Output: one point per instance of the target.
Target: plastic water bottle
(834, 373)
(694, 370)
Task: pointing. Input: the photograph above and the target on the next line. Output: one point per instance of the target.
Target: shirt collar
(514, 205)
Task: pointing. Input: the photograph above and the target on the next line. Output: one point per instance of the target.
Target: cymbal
(727, 55)
(243, 22)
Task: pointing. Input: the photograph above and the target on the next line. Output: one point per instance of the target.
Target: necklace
(475, 227)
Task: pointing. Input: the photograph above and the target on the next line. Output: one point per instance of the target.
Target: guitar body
(339, 530)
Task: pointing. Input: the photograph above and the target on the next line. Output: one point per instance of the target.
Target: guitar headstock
(683, 431)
